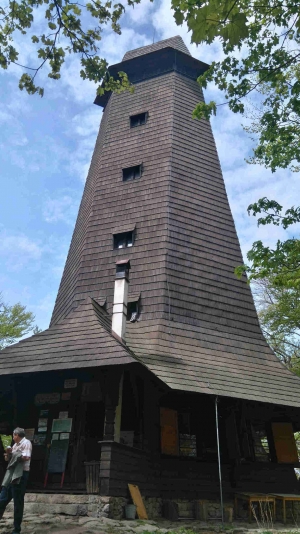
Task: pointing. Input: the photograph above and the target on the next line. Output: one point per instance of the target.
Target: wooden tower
(155, 177)
(150, 324)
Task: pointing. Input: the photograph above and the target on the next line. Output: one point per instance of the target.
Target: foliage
(281, 263)
(279, 316)
(260, 41)
(67, 28)
(15, 322)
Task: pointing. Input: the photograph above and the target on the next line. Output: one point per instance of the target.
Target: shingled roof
(174, 42)
(198, 328)
(82, 339)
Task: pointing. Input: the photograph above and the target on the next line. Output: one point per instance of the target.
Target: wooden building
(138, 366)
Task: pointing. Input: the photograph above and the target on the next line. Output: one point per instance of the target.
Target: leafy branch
(69, 31)
(282, 263)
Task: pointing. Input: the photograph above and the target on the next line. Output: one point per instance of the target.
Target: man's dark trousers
(15, 492)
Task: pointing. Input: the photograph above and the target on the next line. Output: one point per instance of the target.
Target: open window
(132, 173)
(133, 307)
(187, 440)
(260, 442)
(124, 240)
(177, 438)
(138, 120)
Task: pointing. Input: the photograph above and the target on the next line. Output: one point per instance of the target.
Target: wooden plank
(169, 431)
(138, 501)
(285, 445)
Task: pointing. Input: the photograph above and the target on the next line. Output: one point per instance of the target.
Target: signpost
(59, 448)
(57, 459)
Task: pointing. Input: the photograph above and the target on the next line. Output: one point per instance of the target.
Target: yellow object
(285, 445)
(138, 501)
(169, 431)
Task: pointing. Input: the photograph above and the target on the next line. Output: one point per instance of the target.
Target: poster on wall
(39, 439)
(70, 383)
(55, 437)
(42, 425)
(63, 415)
(61, 425)
(66, 395)
(65, 435)
(44, 413)
(29, 433)
(46, 398)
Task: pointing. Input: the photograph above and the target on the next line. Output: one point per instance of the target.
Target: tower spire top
(173, 42)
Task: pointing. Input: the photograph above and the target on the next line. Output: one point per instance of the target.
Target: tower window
(123, 240)
(138, 120)
(132, 311)
(132, 173)
(133, 307)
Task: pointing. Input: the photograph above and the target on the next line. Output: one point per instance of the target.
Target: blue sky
(46, 146)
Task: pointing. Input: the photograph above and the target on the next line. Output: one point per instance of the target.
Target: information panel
(58, 456)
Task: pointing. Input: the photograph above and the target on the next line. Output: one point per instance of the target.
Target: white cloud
(43, 308)
(83, 130)
(86, 123)
(141, 13)
(18, 250)
(63, 207)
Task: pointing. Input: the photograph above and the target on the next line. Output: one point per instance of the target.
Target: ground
(49, 524)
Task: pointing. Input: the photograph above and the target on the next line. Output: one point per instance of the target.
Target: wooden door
(169, 431)
(285, 445)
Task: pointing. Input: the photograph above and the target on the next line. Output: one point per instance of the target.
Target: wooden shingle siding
(184, 478)
(198, 329)
(82, 339)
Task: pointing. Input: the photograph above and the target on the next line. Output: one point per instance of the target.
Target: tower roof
(174, 42)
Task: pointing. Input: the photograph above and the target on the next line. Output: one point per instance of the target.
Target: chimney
(120, 298)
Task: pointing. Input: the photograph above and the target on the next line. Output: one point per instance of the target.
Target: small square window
(124, 240)
(138, 120)
(132, 173)
(132, 311)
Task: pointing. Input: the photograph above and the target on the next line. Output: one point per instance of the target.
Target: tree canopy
(260, 41)
(260, 77)
(281, 263)
(279, 315)
(15, 322)
(68, 28)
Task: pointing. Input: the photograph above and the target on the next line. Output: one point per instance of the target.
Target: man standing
(16, 490)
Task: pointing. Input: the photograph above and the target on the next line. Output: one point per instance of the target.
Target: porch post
(219, 457)
(112, 424)
(113, 405)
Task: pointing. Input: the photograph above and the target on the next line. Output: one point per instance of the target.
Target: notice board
(58, 456)
(61, 425)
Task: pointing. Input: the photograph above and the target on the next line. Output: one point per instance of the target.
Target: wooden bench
(285, 497)
(251, 498)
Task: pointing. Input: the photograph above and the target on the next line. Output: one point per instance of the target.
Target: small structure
(150, 325)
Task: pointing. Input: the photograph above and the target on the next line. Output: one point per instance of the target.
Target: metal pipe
(219, 458)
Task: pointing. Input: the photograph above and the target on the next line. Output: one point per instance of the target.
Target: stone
(82, 509)
(147, 527)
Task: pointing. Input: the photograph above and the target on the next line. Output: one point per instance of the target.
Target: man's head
(18, 434)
